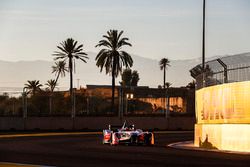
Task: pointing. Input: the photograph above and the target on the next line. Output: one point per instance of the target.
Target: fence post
(73, 110)
(24, 108)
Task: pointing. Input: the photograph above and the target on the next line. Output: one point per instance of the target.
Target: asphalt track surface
(87, 150)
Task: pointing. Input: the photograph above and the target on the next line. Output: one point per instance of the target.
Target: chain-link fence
(222, 70)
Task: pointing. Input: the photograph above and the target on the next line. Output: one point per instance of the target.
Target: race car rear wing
(114, 127)
(124, 126)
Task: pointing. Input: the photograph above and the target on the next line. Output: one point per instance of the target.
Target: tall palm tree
(164, 62)
(69, 50)
(112, 58)
(51, 85)
(33, 86)
(59, 69)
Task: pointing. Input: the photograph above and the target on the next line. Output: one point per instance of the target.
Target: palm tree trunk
(113, 91)
(57, 77)
(71, 87)
(164, 87)
(113, 84)
(71, 77)
(168, 105)
(164, 78)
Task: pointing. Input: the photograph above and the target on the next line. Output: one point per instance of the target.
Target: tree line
(111, 59)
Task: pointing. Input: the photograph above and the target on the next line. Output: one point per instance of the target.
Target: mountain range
(16, 74)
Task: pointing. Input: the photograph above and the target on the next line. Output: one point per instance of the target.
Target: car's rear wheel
(111, 139)
(147, 139)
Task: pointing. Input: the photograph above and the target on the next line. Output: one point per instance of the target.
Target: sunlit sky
(31, 29)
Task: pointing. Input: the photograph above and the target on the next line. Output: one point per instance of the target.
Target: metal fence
(227, 69)
(58, 104)
(44, 104)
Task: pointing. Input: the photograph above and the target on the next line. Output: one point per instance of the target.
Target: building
(145, 100)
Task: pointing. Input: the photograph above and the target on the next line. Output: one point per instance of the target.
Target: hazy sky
(31, 29)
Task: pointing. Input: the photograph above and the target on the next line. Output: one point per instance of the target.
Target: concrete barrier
(94, 123)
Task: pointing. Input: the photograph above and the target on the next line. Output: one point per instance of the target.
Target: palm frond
(81, 54)
(164, 62)
(120, 34)
(104, 43)
(62, 49)
(111, 58)
(123, 43)
(126, 59)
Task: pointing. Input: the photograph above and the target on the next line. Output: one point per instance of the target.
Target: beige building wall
(176, 103)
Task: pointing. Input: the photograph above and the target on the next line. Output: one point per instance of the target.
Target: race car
(127, 135)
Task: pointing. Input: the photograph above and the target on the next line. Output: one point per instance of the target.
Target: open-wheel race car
(127, 135)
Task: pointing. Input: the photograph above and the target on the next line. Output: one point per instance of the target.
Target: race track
(87, 150)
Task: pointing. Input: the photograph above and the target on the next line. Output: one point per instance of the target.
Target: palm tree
(129, 78)
(51, 85)
(33, 86)
(168, 84)
(59, 69)
(135, 78)
(112, 58)
(164, 62)
(69, 50)
(126, 76)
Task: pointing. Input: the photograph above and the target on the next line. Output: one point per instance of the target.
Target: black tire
(133, 139)
(103, 141)
(147, 139)
(111, 138)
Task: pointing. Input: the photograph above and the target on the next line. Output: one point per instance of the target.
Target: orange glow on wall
(223, 117)
(231, 137)
(226, 103)
(176, 103)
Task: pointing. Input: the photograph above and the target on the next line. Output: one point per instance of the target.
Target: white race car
(127, 135)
